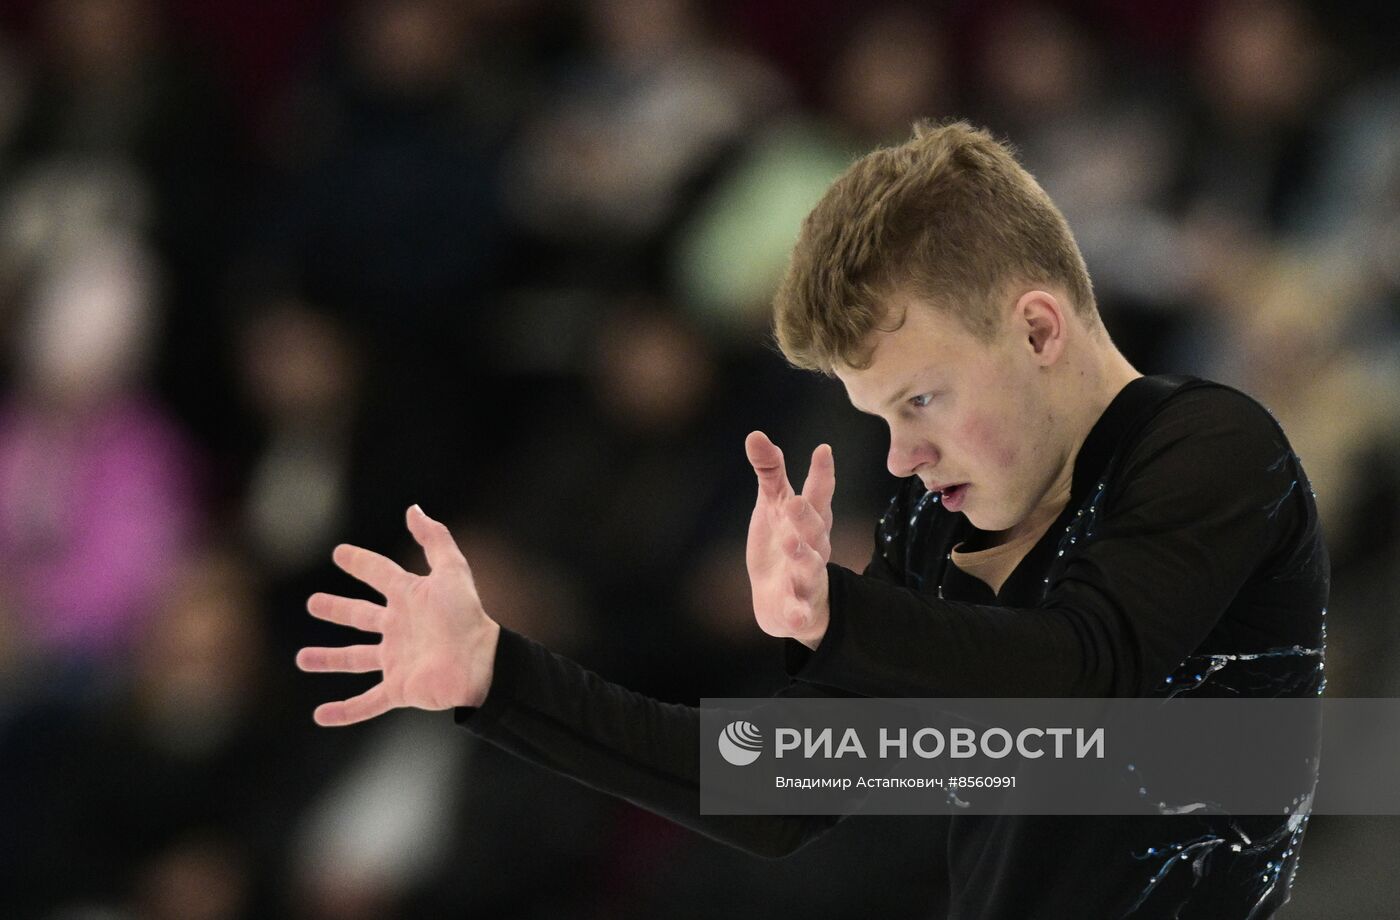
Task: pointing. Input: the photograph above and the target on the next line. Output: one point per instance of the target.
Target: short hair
(949, 216)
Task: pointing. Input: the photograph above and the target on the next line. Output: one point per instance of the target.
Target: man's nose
(905, 457)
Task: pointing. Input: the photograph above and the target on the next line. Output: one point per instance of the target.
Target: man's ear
(1042, 320)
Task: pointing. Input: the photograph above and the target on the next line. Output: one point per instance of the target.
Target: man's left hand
(790, 543)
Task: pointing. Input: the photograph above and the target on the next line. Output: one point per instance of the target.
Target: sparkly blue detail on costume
(1198, 670)
(1274, 467)
(896, 529)
(914, 542)
(1272, 859)
(1270, 855)
(1322, 685)
(1080, 528)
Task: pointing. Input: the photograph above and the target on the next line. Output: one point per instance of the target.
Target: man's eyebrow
(900, 396)
(924, 377)
(908, 390)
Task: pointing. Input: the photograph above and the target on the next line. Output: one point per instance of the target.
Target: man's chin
(987, 523)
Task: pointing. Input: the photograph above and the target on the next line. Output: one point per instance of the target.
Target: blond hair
(948, 216)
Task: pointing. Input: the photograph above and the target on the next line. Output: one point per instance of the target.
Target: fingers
(767, 462)
(352, 659)
(820, 484)
(371, 703)
(379, 572)
(442, 551)
(347, 611)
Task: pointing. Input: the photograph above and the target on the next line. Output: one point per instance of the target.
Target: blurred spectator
(1353, 213)
(382, 824)
(203, 877)
(1288, 337)
(113, 92)
(301, 375)
(731, 252)
(97, 488)
(388, 206)
(153, 802)
(1262, 73)
(630, 457)
(633, 127)
(386, 215)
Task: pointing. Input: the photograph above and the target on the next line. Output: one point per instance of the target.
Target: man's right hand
(437, 648)
(790, 543)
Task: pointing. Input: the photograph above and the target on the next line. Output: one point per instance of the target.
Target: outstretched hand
(438, 645)
(790, 543)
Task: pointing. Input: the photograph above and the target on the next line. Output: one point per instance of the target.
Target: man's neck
(1107, 374)
(1102, 375)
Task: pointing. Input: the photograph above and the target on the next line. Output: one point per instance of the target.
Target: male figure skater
(1066, 527)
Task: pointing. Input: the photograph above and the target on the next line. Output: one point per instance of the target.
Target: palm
(425, 629)
(789, 542)
(436, 641)
(770, 572)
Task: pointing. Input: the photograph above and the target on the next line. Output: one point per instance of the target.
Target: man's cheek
(987, 441)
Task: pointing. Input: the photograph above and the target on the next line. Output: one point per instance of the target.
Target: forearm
(554, 713)
(887, 641)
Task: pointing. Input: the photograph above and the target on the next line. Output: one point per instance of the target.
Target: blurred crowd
(273, 270)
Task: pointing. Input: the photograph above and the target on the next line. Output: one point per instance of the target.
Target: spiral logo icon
(740, 743)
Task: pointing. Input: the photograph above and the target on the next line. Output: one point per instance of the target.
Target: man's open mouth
(952, 496)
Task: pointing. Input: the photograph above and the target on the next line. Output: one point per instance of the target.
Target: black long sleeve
(554, 713)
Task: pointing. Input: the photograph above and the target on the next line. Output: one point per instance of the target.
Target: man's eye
(920, 401)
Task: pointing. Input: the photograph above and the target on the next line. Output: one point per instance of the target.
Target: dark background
(272, 271)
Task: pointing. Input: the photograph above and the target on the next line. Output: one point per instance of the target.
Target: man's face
(964, 414)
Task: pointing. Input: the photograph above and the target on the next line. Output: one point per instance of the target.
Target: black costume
(1188, 561)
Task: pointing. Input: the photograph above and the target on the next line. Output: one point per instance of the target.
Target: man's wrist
(481, 665)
